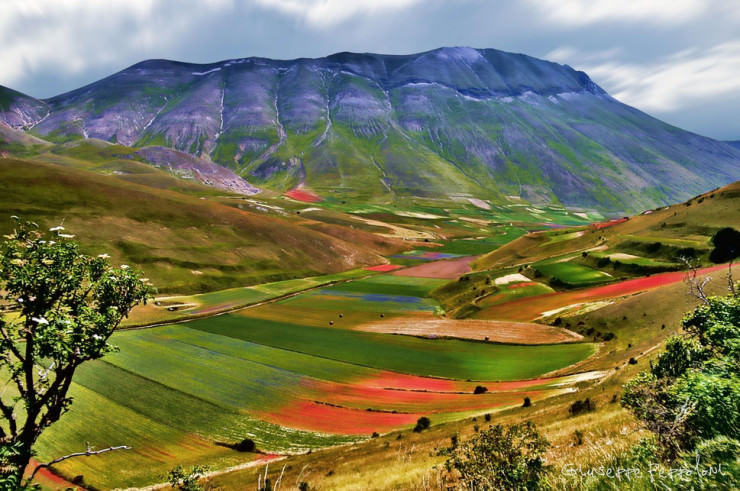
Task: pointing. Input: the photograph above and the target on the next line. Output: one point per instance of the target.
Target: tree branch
(89, 452)
(8, 414)
(10, 343)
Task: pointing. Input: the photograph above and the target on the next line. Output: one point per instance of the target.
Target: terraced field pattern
(312, 362)
(293, 373)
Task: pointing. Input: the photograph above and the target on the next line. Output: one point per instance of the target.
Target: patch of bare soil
(484, 330)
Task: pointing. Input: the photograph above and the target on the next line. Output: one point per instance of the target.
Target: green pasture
(189, 306)
(164, 425)
(340, 301)
(572, 274)
(505, 294)
(441, 358)
(390, 285)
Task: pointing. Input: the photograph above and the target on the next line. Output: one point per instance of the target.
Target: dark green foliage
(246, 445)
(527, 402)
(580, 407)
(726, 245)
(479, 389)
(422, 424)
(303, 486)
(501, 457)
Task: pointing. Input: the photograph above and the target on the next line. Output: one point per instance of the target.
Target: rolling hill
(182, 234)
(452, 121)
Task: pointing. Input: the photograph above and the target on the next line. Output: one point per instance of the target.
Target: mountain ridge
(444, 123)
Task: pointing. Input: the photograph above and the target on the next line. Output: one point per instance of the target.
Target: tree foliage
(726, 245)
(187, 481)
(59, 307)
(691, 395)
(501, 457)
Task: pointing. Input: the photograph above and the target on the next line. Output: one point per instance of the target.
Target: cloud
(583, 12)
(72, 36)
(325, 13)
(682, 79)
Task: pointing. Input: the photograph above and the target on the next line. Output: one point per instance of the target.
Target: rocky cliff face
(452, 121)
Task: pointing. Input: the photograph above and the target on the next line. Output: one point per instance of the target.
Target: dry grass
(488, 330)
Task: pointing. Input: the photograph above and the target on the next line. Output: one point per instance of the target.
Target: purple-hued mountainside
(445, 123)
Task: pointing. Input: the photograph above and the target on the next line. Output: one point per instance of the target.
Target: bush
(479, 389)
(578, 438)
(246, 445)
(422, 424)
(187, 481)
(580, 407)
(501, 457)
(726, 245)
(527, 402)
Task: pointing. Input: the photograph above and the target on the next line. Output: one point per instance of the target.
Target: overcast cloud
(677, 60)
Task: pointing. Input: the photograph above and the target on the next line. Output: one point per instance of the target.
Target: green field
(175, 308)
(391, 285)
(340, 301)
(572, 274)
(505, 294)
(439, 358)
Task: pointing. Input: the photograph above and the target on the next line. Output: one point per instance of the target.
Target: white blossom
(124, 266)
(39, 320)
(56, 229)
(66, 236)
(103, 256)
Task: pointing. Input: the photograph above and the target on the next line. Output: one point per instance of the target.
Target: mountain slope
(18, 110)
(452, 121)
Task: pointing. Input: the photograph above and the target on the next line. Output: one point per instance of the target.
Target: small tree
(63, 307)
(422, 424)
(501, 457)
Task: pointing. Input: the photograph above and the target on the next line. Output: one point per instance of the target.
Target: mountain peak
(450, 122)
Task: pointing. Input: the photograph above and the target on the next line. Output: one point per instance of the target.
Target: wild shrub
(580, 407)
(500, 457)
(246, 445)
(422, 424)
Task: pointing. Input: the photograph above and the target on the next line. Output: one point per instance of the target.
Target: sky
(677, 60)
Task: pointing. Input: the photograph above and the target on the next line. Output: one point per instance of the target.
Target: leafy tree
(726, 245)
(59, 307)
(422, 424)
(501, 457)
(692, 393)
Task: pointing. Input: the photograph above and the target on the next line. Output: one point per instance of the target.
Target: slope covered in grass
(183, 243)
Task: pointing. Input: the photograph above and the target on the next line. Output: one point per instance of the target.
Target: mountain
(19, 110)
(735, 143)
(446, 123)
